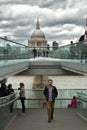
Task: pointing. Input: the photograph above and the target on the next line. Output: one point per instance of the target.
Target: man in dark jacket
(83, 37)
(83, 47)
(50, 92)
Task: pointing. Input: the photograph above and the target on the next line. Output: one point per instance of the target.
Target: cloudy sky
(61, 20)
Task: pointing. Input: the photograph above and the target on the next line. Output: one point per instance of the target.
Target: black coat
(82, 38)
(3, 92)
(54, 93)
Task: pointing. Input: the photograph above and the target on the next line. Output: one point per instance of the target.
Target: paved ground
(36, 119)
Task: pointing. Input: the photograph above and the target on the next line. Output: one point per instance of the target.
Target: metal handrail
(82, 93)
(8, 96)
(45, 98)
(12, 41)
(84, 100)
(43, 89)
(5, 104)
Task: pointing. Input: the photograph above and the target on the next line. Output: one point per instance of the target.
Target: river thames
(61, 82)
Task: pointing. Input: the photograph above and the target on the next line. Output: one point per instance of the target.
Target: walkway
(36, 119)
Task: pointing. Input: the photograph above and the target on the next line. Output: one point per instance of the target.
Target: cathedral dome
(37, 37)
(38, 33)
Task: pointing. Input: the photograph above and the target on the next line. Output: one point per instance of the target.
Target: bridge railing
(72, 52)
(8, 106)
(8, 98)
(10, 50)
(36, 99)
(82, 105)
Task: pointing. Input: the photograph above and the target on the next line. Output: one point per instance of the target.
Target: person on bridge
(34, 52)
(10, 91)
(83, 47)
(22, 96)
(83, 37)
(72, 50)
(74, 102)
(50, 92)
(3, 90)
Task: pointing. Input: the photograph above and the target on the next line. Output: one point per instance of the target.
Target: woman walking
(22, 96)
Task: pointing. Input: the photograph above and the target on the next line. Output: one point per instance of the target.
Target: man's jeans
(50, 108)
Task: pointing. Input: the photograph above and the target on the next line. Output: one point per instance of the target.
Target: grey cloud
(65, 20)
(41, 3)
(54, 4)
(53, 15)
(30, 2)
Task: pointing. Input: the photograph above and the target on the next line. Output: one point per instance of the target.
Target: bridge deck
(36, 119)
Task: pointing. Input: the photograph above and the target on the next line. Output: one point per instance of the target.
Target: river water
(61, 82)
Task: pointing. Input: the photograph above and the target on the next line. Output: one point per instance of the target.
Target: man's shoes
(49, 120)
(52, 118)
